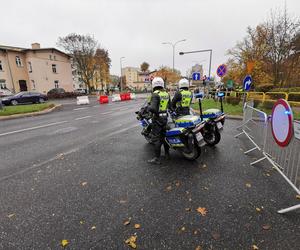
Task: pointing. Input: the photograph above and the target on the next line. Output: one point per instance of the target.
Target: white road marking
(96, 106)
(74, 150)
(83, 117)
(32, 128)
(105, 113)
(79, 108)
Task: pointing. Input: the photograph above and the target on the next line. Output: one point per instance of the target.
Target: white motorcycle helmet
(158, 82)
(183, 83)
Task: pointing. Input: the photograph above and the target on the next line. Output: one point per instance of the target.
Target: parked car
(5, 92)
(56, 91)
(80, 91)
(24, 98)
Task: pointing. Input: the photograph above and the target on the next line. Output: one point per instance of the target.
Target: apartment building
(34, 69)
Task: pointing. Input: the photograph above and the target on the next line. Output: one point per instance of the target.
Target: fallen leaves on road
(84, 183)
(258, 209)
(93, 227)
(196, 232)
(216, 235)
(127, 222)
(10, 215)
(254, 247)
(198, 248)
(182, 229)
(248, 185)
(298, 196)
(202, 210)
(266, 227)
(177, 184)
(188, 209)
(137, 226)
(204, 166)
(131, 241)
(123, 201)
(205, 188)
(81, 222)
(64, 243)
(267, 174)
(168, 188)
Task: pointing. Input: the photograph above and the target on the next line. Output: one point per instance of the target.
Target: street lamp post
(173, 46)
(121, 84)
(199, 51)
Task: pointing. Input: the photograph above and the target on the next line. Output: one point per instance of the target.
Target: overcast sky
(136, 29)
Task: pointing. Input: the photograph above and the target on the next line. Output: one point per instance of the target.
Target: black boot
(167, 155)
(155, 161)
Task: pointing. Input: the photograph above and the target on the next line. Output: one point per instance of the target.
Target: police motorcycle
(212, 121)
(184, 139)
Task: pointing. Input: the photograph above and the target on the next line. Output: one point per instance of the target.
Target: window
(54, 68)
(1, 67)
(18, 61)
(2, 84)
(50, 57)
(29, 67)
(54, 58)
(56, 85)
(33, 84)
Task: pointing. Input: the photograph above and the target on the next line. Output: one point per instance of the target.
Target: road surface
(80, 173)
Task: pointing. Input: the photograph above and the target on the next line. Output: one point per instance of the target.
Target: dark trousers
(159, 126)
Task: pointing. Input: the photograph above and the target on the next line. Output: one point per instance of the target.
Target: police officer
(182, 99)
(159, 104)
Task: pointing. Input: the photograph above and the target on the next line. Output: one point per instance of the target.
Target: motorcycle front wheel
(193, 154)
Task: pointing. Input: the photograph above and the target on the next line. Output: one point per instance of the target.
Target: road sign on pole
(222, 70)
(282, 122)
(196, 76)
(247, 82)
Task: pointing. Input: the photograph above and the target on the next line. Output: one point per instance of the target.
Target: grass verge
(23, 109)
(236, 109)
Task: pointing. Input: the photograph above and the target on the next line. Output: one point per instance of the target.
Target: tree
(144, 67)
(103, 63)
(270, 49)
(82, 49)
(168, 75)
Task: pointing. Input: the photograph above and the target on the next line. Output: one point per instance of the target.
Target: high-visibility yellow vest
(186, 98)
(164, 100)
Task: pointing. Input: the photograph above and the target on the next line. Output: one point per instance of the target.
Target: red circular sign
(222, 70)
(282, 123)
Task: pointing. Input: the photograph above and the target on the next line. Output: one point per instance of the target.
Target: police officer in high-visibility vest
(159, 105)
(182, 99)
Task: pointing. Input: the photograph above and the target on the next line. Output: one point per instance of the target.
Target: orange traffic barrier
(127, 96)
(123, 97)
(103, 99)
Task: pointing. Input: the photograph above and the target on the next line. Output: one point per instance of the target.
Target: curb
(46, 111)
(233, 117)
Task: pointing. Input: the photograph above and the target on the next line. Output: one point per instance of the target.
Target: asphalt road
(79, 173)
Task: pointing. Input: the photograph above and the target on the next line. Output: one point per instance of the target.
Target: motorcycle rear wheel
(213, 139)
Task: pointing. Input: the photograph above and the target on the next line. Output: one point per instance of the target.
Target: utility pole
(199, 51)
(121, 83)
(173, 46)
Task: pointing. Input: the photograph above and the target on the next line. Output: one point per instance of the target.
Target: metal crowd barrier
(286, 160)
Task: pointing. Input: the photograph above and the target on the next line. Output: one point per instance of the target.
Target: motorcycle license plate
(199, 136)
(219, 125)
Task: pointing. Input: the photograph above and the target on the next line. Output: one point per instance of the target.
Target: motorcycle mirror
(199, 95)
(221, 94)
